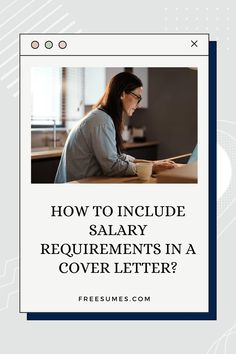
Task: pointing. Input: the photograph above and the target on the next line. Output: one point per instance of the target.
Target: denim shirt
(90, 150)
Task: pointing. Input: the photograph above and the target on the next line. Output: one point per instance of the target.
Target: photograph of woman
(94, 146)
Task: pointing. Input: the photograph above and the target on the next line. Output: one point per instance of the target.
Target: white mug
(144, 170)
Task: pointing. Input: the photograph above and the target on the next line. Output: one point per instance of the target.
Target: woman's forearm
(158, 165)
(140, 161)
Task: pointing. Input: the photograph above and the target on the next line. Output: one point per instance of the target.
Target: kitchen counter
(46, 153)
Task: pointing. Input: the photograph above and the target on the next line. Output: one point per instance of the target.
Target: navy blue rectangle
(212, 304)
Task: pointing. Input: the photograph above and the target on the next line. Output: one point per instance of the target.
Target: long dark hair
(111, 100)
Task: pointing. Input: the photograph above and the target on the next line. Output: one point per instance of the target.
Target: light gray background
(18, 335)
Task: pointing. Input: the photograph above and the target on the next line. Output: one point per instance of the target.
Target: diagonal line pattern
(17, 13)
(13, 83)
(9, 46)
(26, 19)
(67, 27)
(44, 18)
(56, 22)
(9, 72)
(7, 7)
(8, 60)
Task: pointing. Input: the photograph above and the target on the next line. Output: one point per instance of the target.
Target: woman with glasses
(94, 145)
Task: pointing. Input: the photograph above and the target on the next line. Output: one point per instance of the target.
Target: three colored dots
(49, 44)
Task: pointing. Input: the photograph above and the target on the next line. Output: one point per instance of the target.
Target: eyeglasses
(139, 98)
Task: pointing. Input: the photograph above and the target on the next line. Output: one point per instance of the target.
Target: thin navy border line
(212, 299)
(212, 178)
(119, 316)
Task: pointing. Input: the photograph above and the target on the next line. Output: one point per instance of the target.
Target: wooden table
(105, 179)
(184, 174)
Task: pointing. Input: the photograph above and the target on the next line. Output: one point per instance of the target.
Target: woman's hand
(162, 165)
